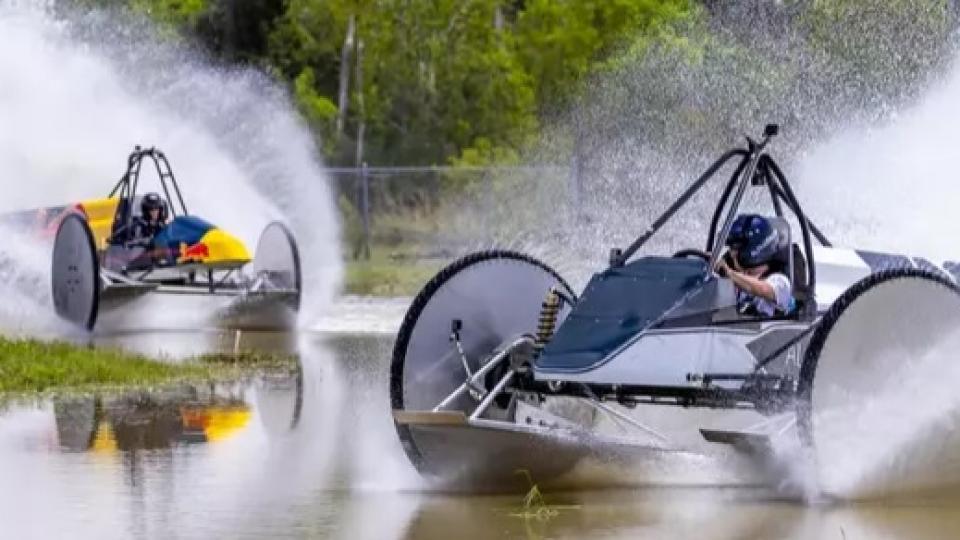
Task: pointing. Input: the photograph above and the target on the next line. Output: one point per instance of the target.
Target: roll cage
(757, 168)
(126, 188)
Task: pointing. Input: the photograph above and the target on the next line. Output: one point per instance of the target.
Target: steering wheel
(692, 252)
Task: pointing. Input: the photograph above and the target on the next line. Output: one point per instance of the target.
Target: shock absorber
(549, 311)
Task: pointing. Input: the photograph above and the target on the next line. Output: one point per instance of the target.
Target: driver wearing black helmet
(152, 218)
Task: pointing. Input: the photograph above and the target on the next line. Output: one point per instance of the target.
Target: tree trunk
(230, 30)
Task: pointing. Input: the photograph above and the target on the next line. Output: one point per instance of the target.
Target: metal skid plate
(497, 456)
(490, 456)
(497, 295)
(884, 341)
(758, 443)
(277, 261)
(272, 298)
(75, 273)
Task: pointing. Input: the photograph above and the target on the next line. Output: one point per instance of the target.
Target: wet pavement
(314, 454)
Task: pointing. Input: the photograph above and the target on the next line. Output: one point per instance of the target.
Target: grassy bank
(388, 273)
(28, 365)
(405, 252)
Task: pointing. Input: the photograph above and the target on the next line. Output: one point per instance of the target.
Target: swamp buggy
(98, 263)
(498, 334)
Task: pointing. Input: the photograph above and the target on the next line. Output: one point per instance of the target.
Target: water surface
(314, 454)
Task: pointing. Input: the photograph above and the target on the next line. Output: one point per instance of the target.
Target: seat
(790, 260)
(128, 211)
(783, 260)
(801, 284)
(118, 231)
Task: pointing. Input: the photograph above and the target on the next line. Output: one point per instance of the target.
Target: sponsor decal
(196, 252)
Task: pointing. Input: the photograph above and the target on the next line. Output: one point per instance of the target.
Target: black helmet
(755, 239)
(152, 201)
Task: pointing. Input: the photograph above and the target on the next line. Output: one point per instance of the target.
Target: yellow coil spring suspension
(549, 311)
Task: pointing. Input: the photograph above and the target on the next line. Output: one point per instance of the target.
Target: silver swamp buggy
(497, 334)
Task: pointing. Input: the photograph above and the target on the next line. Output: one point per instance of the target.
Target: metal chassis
(776, 401)
(767, 392)
(186, 286)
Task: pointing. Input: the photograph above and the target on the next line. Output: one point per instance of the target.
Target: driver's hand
(721, 268)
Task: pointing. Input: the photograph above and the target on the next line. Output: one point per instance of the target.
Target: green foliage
(448, 81)
(438, 77)
(878, 46)
(472, 82)
(561, 41)
(811, 65)
(319, 111)
(484, 153)
(310, 34)
(174, 12)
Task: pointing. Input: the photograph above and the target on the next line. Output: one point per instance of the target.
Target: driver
(153, 217)
(762, 283)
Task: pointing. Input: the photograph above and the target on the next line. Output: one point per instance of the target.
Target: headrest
(784, 240)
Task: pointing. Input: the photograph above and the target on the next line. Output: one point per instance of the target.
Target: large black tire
(75, 273)
(497, 294)
(861, 350)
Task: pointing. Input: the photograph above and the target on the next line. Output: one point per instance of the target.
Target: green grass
(28, 365)
(405, 252)
(535, 506)
(388, 272)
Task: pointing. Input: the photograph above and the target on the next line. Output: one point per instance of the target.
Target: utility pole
(343, 101)
(364, 186)
(361, 122)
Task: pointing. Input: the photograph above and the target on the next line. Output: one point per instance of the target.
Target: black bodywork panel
(616, 305)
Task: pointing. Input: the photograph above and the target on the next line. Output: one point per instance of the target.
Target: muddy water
(314, 454)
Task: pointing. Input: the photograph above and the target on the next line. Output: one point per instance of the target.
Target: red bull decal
(196, 252)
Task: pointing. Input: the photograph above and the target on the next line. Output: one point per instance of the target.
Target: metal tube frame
(711, 397)
(126, 187)
(469, 382)
(595, 401)
(492, 394)
(745, 178)
(682, 200)
(723, 197)
(455, 338)
(753, 161)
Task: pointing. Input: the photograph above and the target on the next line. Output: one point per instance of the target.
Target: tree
(560, 41)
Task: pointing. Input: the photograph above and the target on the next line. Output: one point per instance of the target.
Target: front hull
(481, 458)
(493, 456)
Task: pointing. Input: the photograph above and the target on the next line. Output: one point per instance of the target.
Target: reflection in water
(314, 453)
(679, 513)
(150, 420)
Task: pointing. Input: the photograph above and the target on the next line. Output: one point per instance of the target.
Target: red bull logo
(196, 252)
